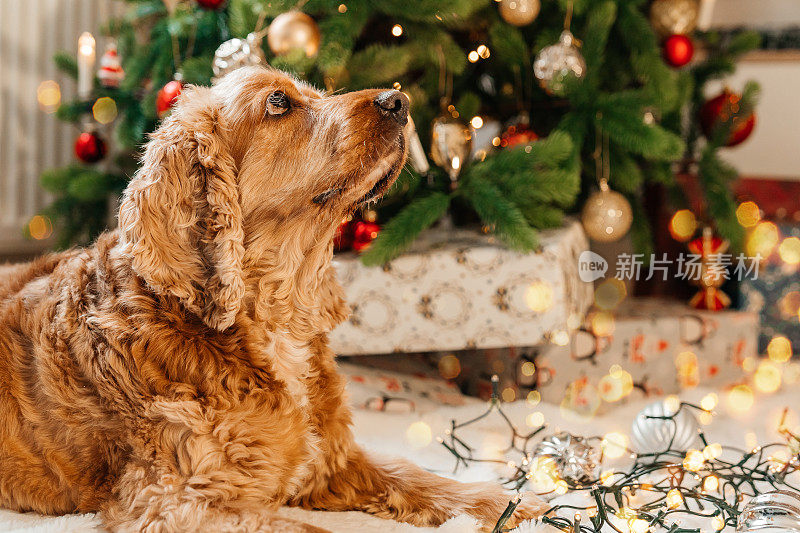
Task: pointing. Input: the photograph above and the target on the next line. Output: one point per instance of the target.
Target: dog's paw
(528, 507)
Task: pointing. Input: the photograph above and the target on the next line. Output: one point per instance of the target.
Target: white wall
(773, 150)
(755, 13)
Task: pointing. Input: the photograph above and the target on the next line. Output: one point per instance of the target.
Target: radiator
(31, 140)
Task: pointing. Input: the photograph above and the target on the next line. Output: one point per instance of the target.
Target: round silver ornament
(236, 53)
(576, 460)
(777, 511)
(557, 63)
(656, 435)
(451, 143)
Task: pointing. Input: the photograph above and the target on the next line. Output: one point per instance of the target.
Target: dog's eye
(278, 103)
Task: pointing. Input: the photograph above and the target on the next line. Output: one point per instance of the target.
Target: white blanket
(386, 433)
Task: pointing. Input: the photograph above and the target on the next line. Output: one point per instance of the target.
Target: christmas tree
(580, 94)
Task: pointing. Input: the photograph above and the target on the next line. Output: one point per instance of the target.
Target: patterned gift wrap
(649, 347)
(461, 289)
(775, 296)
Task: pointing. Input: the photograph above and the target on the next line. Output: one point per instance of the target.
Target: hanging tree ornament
(576, 460)
(678, 50)
(167, 96)
(211, 4)
(519, 12)
(725, 107)
(557, 63)
(364, 232)
(669, 17)
(293, 30)
(110, 73)
(713, 273)
(658, 427)
(237, 53)
(90, 147)
(607, 215)
(451, 144)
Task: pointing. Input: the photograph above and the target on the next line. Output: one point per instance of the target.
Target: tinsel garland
(676, 480)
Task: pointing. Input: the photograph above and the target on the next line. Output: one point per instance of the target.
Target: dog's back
(47, 449)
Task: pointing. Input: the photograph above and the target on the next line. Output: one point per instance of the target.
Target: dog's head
(244, 185)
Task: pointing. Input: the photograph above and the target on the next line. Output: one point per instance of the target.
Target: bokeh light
(533, 398)
(779, 349)
(740, 398)
(539, 296)
(449, 367)
(40, 227)
(748, 214)
(712, 451)
(483, 51)
(683, 225)
(476, 122)
(711, 483)
(419, 434)
(602, 323)
(473, 56)
(789, 305)
(397, 30)
(342, 8)
(762, 240)
(610, 293)
(528, 368)
(535, 420)
(768, 377)
(48, 94)
(615, 444)
(789, 250)
(104, 110)
(509, 395)
(674, 499)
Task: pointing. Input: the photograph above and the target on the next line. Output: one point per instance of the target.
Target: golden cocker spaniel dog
(175, 376)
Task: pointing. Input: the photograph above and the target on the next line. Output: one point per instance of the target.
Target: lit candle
(86, 60)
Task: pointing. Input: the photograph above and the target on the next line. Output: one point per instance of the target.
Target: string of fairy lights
(710, 483)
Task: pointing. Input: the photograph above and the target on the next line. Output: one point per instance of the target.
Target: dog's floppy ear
(180, 217)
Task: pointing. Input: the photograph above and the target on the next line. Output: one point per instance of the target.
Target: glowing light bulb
(694, 460)
(674, 499)
(397, 30)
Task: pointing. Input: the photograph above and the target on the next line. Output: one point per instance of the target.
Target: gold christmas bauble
(607, 215)
(519, 12)
(451, 144)
(557, 63)
(669, 17)
(291, 31)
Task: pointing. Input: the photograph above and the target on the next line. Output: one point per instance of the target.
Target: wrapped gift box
(775, 297)
(461, 289)
(652, 347)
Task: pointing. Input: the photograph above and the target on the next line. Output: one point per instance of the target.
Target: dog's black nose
(393, 104)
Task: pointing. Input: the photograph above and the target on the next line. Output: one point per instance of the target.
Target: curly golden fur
(176, 376)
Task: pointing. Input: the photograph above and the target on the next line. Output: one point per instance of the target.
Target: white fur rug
(386, 433)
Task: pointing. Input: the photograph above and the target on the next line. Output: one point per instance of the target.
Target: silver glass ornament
(556, 63)
(777, 511)
(576, 460)
(451, 144)
(656, 435)
(237, 53)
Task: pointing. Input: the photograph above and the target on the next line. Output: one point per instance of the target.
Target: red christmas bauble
(89, 147)
(518, 134)
(210, 4)
(167, 96)
(721, 108)
(343, 239)
(678, 50)
(363, 234)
